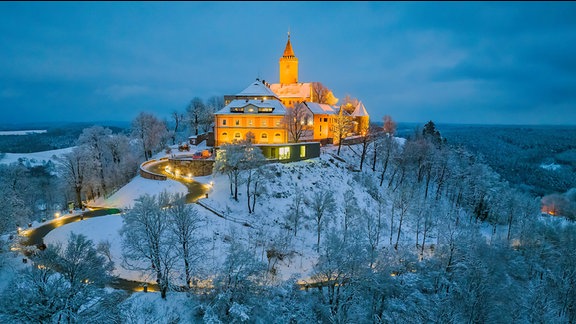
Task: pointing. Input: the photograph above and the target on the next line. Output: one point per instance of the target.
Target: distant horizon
(122, 123)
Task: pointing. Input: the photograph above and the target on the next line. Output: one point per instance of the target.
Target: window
(284, 153)
(325, 119)
(237, 135)
(277, 123)
(264, 122)
(264, 135)
(224, 122)
(320, 128)
(250, 122)
(302, 151)
(224, 136)
(237, 122)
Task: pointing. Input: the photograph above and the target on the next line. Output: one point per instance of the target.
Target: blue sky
(464, 62)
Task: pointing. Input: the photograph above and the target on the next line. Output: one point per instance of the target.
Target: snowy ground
(125, 196)
(37, 158)
(266, 231)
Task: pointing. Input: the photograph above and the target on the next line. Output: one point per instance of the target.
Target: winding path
(35, 236)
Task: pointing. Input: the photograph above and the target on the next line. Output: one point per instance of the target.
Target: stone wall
(148, 174)
(197, 168)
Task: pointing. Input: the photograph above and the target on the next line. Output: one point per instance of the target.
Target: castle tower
(288, 65)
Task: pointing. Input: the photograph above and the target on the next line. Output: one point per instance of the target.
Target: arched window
(264, 135)
(277, 138)
(237, 135)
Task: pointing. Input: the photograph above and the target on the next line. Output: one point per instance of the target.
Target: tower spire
(288, 64)
(288, 51)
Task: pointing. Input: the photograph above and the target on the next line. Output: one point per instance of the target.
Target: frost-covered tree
(16, 209)
(254, 173)
(150, 132)
(74, 167)
(229, 162)
(186, 229)
(238, 284)
(64, 284)
(295, 212)
(321, 204)
(146, 241)
(94, 138)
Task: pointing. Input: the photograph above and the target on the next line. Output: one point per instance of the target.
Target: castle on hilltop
(263, 111)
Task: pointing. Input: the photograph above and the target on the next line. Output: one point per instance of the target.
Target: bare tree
(195, 110)
(296, 122)
(341, 127)
(389, 125)
(213, 104)
(295, 212)
(321, 204)
(177, 118)
(371, 132)
(349, 104)
(323, 95)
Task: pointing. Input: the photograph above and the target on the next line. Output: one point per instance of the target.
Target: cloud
(120, 92)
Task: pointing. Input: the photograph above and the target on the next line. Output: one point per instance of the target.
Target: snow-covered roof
(239, 106)
(320, 109)
(294, 90)
(360, 110)
(257, 89)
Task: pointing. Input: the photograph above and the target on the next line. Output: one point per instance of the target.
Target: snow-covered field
(23, 132)
(37, 158)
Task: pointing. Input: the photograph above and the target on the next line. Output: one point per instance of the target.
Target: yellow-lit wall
(323, 129)
(240, 124)
(288, 70)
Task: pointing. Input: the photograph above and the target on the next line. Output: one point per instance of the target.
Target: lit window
(277, 123)
(249, 122)
(264, 135)
(264, 123)
(284, 153)
(302, 151)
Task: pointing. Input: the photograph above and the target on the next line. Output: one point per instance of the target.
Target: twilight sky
(465, 62)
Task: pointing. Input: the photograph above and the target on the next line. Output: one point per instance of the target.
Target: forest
(425, 229)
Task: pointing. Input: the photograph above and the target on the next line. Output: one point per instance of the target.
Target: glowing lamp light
(56, 215)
